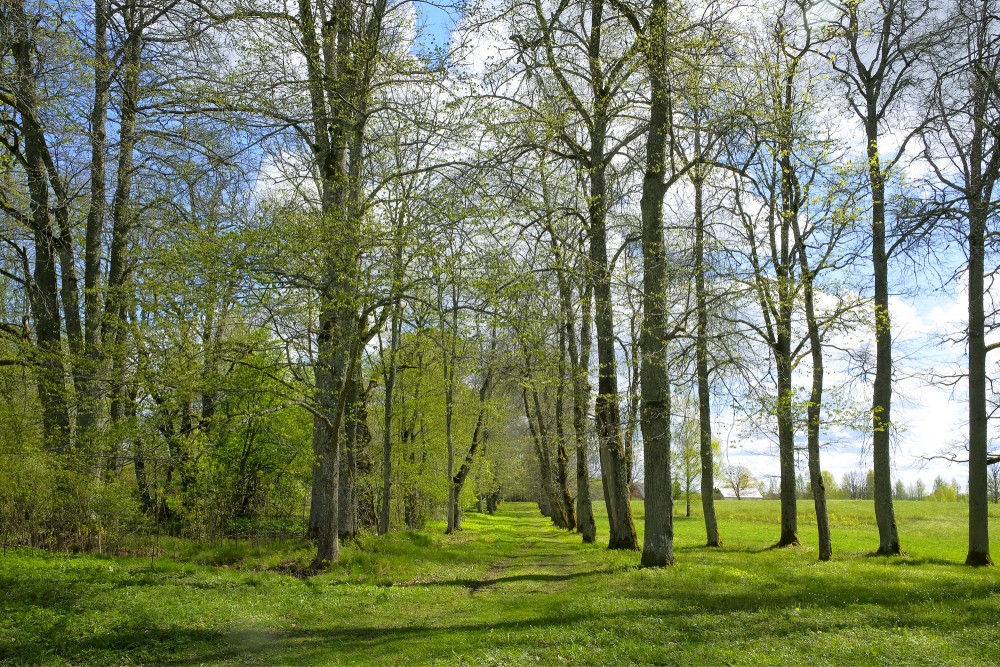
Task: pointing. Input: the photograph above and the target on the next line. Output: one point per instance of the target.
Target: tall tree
(876, 50)
(961, 147)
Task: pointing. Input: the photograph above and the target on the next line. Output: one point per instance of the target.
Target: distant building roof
(727, 492)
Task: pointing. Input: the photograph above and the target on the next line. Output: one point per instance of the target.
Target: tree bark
(549, 503)
(43, 286)
(355, 416)
(390, 384)
(606, 413)
(785, 270)
(118, 297)
(89, 402)
(658, 538)
(882, 390)
(814, 409)
(581, 402)
(606, 410)
(702, 370)
(979, 190)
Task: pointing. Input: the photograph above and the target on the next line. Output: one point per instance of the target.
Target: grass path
(512, 590)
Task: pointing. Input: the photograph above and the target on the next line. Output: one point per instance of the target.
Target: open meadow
(512, 590)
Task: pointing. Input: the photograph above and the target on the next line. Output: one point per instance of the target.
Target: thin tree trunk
(562, 456)
(581, 403)
(701, 363)
(390, 383)
(549, 503)
(814, 410)
(583, 518)
(354, 414)
(882, 390)
(783, 348)
(561, 515)
(449, 358)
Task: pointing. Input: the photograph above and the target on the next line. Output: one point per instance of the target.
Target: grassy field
(510, 590)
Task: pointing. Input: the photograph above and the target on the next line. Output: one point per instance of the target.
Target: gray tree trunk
(581, 402)
(43, 284)
(658, 538)
(701, 366)
(885, 515)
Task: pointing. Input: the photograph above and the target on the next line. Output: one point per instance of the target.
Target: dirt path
(543, 562)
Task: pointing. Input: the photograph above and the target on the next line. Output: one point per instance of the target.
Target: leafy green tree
(686, 452)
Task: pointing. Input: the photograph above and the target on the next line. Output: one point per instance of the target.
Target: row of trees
(858, 485)
(326, 264)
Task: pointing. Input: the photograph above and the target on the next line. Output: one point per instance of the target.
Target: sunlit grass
(511, 590)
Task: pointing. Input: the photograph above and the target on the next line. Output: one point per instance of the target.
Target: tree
(876, 48)
(830, 484)
(658, 542)
(993, 483)
(814, 218)
(705, 125)
(961, 147)
(943, 491)
(687, 453)
(855, 484)
(739, 479)
(479, 432)
(28, 148)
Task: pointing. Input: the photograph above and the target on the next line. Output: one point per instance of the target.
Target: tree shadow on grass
(476, 585)
(369, 644)
(390, 640)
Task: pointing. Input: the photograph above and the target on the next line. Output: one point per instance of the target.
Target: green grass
(510, 590)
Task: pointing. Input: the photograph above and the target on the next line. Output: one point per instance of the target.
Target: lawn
(511, 590)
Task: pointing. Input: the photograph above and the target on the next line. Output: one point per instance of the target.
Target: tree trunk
(338, 63)
(785, 273)
(118, 297)
(561, 516)
(701, 363)
(607, 419)
(658, 538)
(89, 402)
(606, 412)
(448, 363)
(390, 384)
(814, 410)
(581, 402)
(43, 285)
(354, 415)
(979, 207)
(882, 390)
(562, 456)
(549, 502)
(583, 519)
